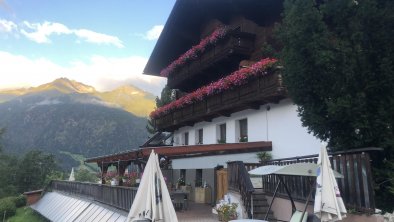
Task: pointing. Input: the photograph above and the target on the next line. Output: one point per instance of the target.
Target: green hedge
(7, 207)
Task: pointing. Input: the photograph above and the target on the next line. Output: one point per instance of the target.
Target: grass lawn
(25, 214)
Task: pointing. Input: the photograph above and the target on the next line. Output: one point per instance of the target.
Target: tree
(165, 98)
(339, 69)
(33, 170)
(1, 136)
(85, 175)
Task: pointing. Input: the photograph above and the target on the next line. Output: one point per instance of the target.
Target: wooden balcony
(228, 52)
(259, 91)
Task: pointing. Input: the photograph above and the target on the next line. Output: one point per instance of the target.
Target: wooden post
(104, 169)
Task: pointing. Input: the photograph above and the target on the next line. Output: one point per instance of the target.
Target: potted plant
(227, 211)
(264, 156)
(221, 141)
(243, 139)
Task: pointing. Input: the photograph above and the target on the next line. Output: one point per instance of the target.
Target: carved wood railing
(356, 187)
(116, 196)
(239, 181)
(257, 92)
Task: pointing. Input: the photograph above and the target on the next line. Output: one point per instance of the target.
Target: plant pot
(114, 182)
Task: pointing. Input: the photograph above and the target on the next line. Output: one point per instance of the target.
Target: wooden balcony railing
(356, 187)
(116, 196)
(257, 92)
(238, 44)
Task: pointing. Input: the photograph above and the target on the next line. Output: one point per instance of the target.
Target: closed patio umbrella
(72, 176)
(328, 201)
(152, 200)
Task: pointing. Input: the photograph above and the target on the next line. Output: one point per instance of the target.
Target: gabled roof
(182, 29)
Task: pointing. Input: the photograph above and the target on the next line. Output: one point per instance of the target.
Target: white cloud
(98, 38)
(7, 26)
(101, 72)
(154, 32)
(41, 32)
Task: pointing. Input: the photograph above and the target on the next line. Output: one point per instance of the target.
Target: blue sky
(101, 43)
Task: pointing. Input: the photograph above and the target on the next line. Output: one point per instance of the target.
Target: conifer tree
(338, 58)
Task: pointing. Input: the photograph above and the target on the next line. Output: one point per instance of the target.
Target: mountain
(68, 118)
(128, 98)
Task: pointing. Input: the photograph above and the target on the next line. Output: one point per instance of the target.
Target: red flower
(237, 78)
(195, 51)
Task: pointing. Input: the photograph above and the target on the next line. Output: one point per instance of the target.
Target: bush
(7, 206)
(20, 201)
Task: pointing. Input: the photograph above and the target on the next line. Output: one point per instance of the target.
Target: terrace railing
(257, 92)
(239, 180)
(356, 187)
(116, 196)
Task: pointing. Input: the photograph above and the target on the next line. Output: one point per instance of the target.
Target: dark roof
(173, 152)
(159, 139)
(182, 29)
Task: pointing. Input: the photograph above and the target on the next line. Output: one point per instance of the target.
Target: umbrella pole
(273, 198)
(307, 202)
(288, 193)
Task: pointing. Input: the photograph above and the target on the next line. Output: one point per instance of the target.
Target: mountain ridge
(127, 97)
(66, 117)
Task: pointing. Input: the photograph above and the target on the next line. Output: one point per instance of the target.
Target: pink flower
(237, 78)
(195, 51)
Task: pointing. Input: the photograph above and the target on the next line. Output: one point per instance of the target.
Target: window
(243, 130)
(200, 136)
(198, 178)
(222, 133)
(186, 139)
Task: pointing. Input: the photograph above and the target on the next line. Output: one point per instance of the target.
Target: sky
(104, 44)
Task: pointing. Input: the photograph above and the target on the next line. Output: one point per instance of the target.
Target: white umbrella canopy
(329, 205)
(152, 200)
(297, 169)
(72, 176)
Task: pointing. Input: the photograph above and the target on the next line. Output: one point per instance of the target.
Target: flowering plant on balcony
(227, 211)
(236, 78)
(196, 51)
(130, 179)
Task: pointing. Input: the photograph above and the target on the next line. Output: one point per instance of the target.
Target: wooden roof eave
(175, 152)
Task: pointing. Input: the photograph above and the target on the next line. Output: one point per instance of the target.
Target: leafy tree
(34, 169)
(8, 173)
(339, 69)
(85, 175)
(150, 127)
(165, 98)
(1, 136)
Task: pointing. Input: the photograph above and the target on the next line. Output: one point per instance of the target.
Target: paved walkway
(197, 213)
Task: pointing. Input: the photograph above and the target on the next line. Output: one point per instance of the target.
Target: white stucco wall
(280, 124)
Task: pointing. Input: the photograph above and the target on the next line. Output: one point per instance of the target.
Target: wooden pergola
(139, 156)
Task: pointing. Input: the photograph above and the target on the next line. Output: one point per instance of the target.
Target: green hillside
(74, 121)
